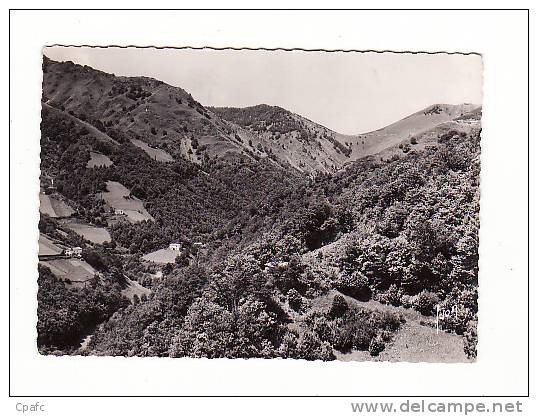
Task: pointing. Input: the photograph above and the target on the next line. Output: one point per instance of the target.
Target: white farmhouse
(73, 252)
(175, 246)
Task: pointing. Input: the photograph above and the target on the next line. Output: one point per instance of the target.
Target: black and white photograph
(259, 203)
(268, 211)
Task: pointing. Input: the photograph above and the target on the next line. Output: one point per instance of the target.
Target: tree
(310, 347)
(289, 346)
(471, 339)
(64, 315)
(426, 302)
(376, 346)
(295, 300)
(354, 285)
(182, 260)
(339, 307)
(167, 269)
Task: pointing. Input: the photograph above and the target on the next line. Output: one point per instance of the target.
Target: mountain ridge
(168, 118)
(275, 262)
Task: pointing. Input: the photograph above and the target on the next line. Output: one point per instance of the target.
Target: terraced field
(120, 198)
(157, 154)
(162, 256)
(98, 159)
(53, 206)
(47, 247)
(76, 270)
(97, 235)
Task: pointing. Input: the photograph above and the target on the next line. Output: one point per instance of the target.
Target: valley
(251, 232)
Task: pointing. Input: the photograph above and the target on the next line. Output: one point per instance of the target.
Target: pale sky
(349, 93)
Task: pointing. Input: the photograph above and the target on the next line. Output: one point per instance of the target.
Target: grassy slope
(305, 145)
(168, 118)
(158, 114)
(427, 119)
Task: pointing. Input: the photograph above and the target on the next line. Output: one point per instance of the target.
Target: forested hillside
(409, 238)
(168, 118)
(277, 260)
(303, 144)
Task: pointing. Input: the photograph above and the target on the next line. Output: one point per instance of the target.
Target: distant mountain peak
(169, 119)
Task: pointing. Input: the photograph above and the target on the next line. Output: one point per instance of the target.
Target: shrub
(364, 330)
(469, 299)
(385, 336)
(343, 340)
(339, 307)
(322, 327)
(182, 260)
(295, 300)
(425, 302)
(458, 318)
(310, 347)
(447, 136)
(355, 285)
(392, 296)
(289, 345)
(407, 301)
(387, 320)
(413, 140)
(376, 346)
(326, 352)
(470, 339)
(354, 330)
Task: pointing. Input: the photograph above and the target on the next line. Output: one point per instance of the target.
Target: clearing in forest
(76, 270)
(120, 198)
(156, 154)
(134, 288)
(47, 247)
(162, 256)
(97, 235)
(98, 159)
(54, 207)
